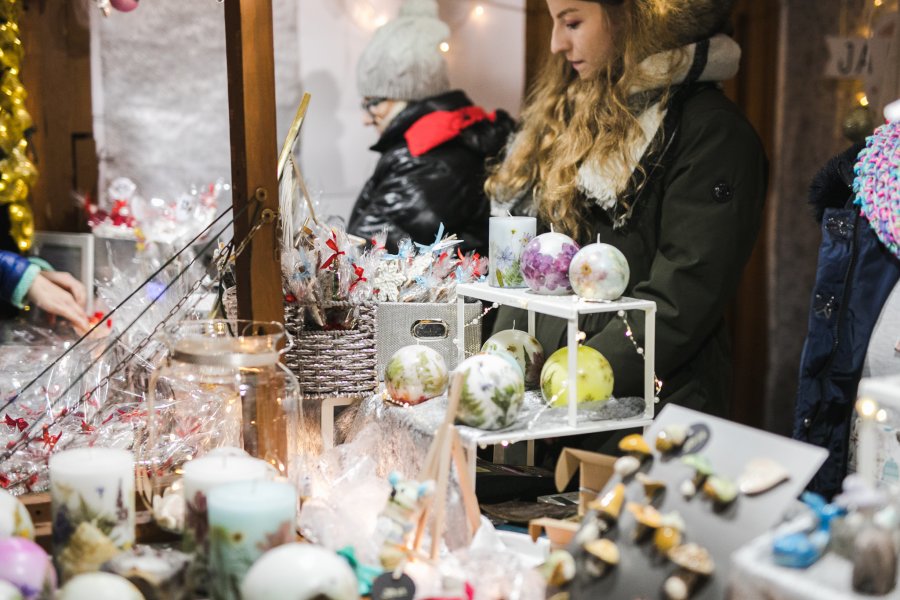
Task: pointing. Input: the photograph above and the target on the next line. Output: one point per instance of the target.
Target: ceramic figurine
(800, 549)
(601, 555)
(599, 272)
(702, 469)
(559, 568)
(653, 488)
(399, 517)
(14, 518)
(874, 562)
(26, 566)
(636, 445)
(761, 475)
(99, 586)
(609, 506)
(300, 571)
(671, 438)
(720, 490)
(626, 466)
(415, 374)
(527, 351)
(647, 519)
(695, 565)
(492, 394)
(668, 535)
(545, 263)
(593, 380)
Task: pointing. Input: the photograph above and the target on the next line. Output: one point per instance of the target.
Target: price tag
(849, 57)
(387, 587)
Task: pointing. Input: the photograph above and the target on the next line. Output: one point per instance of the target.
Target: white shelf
(564, 307)
(569, 308)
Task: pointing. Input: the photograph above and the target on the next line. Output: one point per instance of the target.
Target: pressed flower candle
(219, 467)
(545, 263)
(246, 520)
(92, 494)
(26, 567)
(508, 238)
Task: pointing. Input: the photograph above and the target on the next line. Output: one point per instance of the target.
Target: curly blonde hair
(567, 121)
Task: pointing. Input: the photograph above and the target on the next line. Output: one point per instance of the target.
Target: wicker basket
(333, 363)
(328, 364)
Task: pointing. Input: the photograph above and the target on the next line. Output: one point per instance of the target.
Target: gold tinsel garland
(17, 173)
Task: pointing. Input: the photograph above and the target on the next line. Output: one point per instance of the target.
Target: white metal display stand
(568, 308)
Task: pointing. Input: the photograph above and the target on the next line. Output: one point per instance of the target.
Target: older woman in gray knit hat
(434, 142)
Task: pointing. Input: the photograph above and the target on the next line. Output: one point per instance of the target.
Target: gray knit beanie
(403, 61)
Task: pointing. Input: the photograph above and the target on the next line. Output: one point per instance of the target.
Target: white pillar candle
(508, 237)
(92, 493)
(202, 475)
(867, 454)
(246, 520)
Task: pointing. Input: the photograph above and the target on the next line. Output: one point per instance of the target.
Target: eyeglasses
(369, 103)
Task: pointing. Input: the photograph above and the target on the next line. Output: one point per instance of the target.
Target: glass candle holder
(508, 237)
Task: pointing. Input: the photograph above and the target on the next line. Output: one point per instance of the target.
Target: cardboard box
(596, 469)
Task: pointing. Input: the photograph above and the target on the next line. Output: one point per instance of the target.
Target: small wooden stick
(293, 132)
(467, 490)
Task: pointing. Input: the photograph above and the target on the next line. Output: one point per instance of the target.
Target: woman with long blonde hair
(627, 135)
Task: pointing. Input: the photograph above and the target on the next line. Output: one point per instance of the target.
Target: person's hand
(60, 294)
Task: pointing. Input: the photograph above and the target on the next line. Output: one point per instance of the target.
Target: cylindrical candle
(508, 237)
(92, 493)
(202, 475)
(246, 520)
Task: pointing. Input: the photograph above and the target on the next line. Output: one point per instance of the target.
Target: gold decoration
(17, 173)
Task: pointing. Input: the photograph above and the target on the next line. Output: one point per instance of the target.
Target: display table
(754, 576)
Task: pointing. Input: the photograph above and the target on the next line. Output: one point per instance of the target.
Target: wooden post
(254, 157)
(254, 154)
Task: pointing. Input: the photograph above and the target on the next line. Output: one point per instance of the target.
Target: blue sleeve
(15, 272)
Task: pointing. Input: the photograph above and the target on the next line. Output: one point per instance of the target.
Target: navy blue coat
(854, 277)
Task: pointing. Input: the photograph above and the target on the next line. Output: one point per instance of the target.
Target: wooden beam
(254, 154)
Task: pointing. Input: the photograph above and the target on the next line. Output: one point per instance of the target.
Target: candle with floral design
(246, 520)
(92, 494)
(508, 237)
(219, 467)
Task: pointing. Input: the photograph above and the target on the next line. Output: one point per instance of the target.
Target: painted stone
(299, 572)
(760, 475)
(492, 394)
(594, 377)
(27, 567)
(99, 586)
(415, 374)
(14, 518)
(599, 272)
(545, 263)
(527, 351)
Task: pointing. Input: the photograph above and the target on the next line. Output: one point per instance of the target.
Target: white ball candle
(92, 494)
(99, 586)
(599, 272)
(508, 237)
(245, 520)
(300, 572)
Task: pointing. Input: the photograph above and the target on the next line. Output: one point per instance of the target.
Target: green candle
(245, 520)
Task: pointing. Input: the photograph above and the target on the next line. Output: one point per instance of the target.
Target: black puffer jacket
(413, 195)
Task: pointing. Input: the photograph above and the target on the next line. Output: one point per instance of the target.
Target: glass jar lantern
(221, 385)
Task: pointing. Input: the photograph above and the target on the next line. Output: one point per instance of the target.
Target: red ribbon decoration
(50, 440)
(19, 424)
(332, 243)
(359, 276)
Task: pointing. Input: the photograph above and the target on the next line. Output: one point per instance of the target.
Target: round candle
(202, 475)
(92, 493)
(245, 520)
(10, 592)
(14, 518)
(300, 572)
(508, 238)
(26, 566)
(99, 586)
(545, 263)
